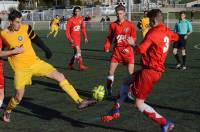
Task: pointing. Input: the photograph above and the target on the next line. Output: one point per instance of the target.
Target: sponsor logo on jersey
(20, 38)
(126, 30)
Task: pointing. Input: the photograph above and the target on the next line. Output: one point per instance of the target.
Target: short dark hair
(119, 8)
(75, 8)
(13, 15)
(182, 12)
(154, 13)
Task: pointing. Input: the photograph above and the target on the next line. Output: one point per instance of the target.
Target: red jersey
(73, 28)
(155, 46)
(120, 33)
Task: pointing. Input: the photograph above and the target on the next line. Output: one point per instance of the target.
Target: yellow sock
(11, 105)
(69, 89)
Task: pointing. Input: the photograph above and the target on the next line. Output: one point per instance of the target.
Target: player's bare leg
(55, 33)
(14, 101)
(184, 59)
(148, 111)
(1, 96)
(110, 78)
(69, 89)
(178, 62)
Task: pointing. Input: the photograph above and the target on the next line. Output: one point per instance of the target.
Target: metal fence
(94, 26)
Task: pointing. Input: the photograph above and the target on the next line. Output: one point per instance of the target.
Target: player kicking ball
(26, 64)
(153, 50)
(74, 25)
(119, 31)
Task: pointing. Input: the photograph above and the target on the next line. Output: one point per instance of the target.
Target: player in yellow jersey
(143, 24)
(28, 64)
(54, 25)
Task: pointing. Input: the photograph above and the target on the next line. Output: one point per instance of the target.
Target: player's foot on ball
(83, 68)
(168, 127)
(86, 103)
(114, 113)
(178, 66)
(6, 117)
(70, 67)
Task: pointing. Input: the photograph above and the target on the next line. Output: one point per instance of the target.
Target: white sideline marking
(197, 46)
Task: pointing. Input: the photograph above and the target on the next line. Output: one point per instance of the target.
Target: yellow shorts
(54, 28)
(24, 77)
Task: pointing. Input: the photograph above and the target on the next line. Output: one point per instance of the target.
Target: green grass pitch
(46, 108)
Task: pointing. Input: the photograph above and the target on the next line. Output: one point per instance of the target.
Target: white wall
(5, 5)
(192, 3)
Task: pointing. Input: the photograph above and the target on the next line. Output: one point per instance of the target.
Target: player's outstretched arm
(68, 27)
(36, 40)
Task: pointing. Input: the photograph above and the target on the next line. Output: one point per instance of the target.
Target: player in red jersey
(120, 31)
(74, 25)
(153, 50)
(5, 53)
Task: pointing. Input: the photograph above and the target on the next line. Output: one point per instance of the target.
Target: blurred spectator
(107, 19)
(28, 16)
(102, 20)
(192, 15)
(88, 20)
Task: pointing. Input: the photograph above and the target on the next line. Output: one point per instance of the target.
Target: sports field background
(46, 108)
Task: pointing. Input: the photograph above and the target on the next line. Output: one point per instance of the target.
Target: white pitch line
(197, 46)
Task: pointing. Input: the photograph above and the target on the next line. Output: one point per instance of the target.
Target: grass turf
(46, 108)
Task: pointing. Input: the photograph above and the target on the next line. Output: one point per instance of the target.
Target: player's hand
(86, 40)
(18, 50)
(48, 54)
(131, 41)
(72, 41)
(106, 50)
(125, 51)
(186, 37)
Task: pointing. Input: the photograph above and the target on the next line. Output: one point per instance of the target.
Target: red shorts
(144, 81)
(77, 42)
(119, 57)
(2, 83)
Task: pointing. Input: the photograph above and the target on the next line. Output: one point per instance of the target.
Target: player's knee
(60, 76)
(18, 97)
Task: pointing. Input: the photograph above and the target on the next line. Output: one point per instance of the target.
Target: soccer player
(74, 25)
(153, 50)
(54, 25)
(120, 31)
(184, 29)
(27, 64)
(143, 24)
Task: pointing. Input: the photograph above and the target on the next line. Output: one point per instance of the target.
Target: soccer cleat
(6, 117)
(70, 67)
(83, 68)
(178, 66)
(130, 95)
(183, 68)
(86, 103)
(114, 113)
(168, 127)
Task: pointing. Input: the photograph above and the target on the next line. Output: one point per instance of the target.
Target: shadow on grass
(55, 88)
(45, 113)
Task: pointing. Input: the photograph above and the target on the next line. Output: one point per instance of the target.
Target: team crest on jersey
(126, 30)
(20, 38)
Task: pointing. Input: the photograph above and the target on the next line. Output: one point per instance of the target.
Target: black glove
(48, 54)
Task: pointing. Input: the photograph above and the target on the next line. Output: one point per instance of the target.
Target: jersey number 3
(166, 47)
